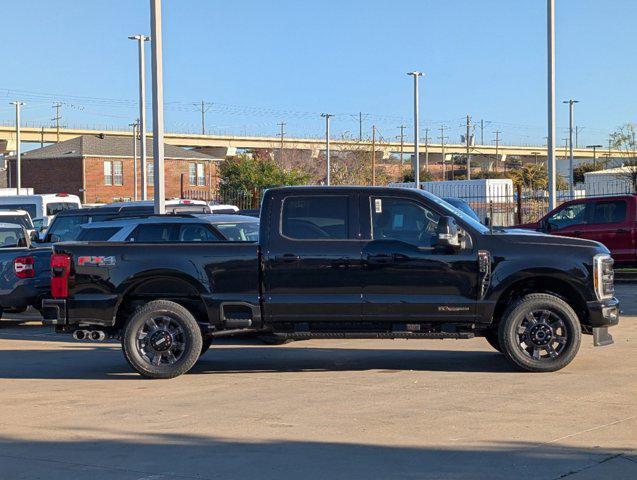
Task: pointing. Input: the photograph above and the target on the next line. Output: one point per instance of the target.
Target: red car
(609, 220)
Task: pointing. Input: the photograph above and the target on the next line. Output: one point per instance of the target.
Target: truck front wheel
(162, 340)
(540, 333)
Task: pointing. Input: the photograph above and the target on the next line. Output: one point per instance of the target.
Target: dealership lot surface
(318, 409)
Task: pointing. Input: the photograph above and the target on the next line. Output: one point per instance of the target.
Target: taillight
(24, 267)
(60, 271)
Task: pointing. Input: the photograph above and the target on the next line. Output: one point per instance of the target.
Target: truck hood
(532, 237)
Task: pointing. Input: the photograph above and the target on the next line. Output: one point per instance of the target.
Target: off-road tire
(190, 333)
(516, 317)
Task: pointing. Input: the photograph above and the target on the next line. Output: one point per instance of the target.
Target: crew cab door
(406, 278)
(312, 258)
(609, 223)
(569, 220)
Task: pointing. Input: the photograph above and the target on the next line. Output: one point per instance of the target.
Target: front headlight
(603, 276)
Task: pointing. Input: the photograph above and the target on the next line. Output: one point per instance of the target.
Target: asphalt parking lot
(329, 409)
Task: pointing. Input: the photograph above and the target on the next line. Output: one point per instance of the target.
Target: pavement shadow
(181, 456)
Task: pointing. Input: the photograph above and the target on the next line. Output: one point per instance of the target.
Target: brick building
(100, 169)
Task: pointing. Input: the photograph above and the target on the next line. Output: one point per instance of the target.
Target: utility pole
(56, 119)
(141, 64)
(402, 146)
(281, 134)
(610, 145)
(497, 146)
(203, 108)
(42, 137)
(481, 132)
(373, 155)
(426, 150)
(594, 147)
(442, 145)
(360, 126)
(571, 187)
(550, 58)
(577, 130)
(135, 126)
(416, 74)
(468, 140)
(158, 105)
(18, 154)
(327, 146)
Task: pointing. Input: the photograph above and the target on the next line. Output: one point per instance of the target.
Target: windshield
(12, 237)
(239, 232)
(23, 220)
(456, 212)
(56, 207)
(66, 228)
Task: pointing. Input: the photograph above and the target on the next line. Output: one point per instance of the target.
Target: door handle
(341, 263)
(622, 230)
(577, 232)
(287, 258)
(380, 259)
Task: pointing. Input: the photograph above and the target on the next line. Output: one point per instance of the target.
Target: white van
(42, 208)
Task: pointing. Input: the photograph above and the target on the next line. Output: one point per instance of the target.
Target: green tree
(580, 170)
(624, 139)
(534, 177)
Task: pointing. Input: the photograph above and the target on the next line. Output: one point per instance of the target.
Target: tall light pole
(135, 126)
(571, 186)
(595, 147)
(142, 107)
(416, 74)
(550, 37)
(18, 154)
(327, 146)
(158, 105)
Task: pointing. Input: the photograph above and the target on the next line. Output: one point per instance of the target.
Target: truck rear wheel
(540, 333)
(162, 340)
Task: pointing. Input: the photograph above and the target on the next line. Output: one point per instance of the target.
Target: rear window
(56, 207)
(239, 232)
(315, 218)
(97, 234)
(27, 207)
(609, 212)
(173, 232)
(12, 237)
(66, 228)
(23, 220)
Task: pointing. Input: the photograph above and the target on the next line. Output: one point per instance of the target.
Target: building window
(150, 173)
(192, 173)
(108, 173)
(118, 173)
(201, 175)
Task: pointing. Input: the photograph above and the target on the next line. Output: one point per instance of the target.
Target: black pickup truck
(340, 262)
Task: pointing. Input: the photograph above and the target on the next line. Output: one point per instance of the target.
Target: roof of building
(109, 146)
(612, 171)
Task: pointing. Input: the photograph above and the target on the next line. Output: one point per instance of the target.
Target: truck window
(197, 233)
(66, 228)
(315, 218)
(574, 214)
(27, 207)
(18, 220)
(404, 220)
(609, 212)
(153, 233)
(57, 207)
(97, 234)
(12, 237)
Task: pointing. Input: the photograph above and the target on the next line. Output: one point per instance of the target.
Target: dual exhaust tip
(94, 335)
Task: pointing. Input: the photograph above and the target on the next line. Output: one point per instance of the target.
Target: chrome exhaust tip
(97, 335)
(79, 335)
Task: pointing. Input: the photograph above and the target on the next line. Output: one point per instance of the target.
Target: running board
(362, 335)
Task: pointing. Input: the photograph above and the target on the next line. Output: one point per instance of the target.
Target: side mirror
(35, 237)
(447, 233)
(53, 238)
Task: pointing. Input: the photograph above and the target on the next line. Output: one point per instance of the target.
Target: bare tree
(624, 140)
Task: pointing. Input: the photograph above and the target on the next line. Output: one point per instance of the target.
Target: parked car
(66, 225)
(610, 220)
(18, 217)
(250, 212)
(43, 207)
(25, 273)
(339, 262)
(173, 228)
(174, 205)
(223, 209)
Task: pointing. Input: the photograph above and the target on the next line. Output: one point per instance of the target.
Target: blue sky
(262, 62)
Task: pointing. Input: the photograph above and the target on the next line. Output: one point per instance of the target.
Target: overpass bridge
(223, 146)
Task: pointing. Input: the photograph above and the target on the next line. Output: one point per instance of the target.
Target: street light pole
(416, 74)
(550, 37)
(571, 186)
(142, 108)
(327, 146)
(158, 105)
(595, 147)
(135, 126)
(18, 154)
